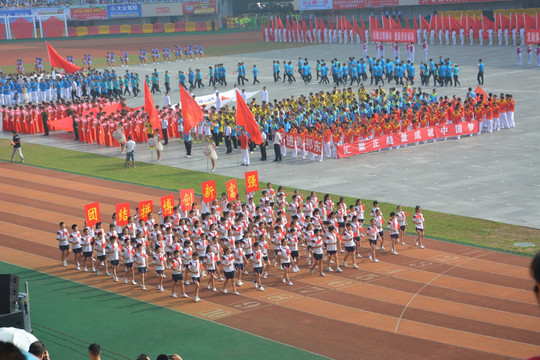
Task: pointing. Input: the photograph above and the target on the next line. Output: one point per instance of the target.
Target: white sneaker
(115, 279)
(358, 256)
(394, 252)
(311, 271)
(85, 270)
(239, 283)
(221, 279)
(339, 270)
(208, 286)
(164, 276)
(133, 282)
(403, 243)
(376, 260)
(78, 267)
(421, 246)
(214, 289)
(382, 247)
(329, 269)
(185, 295)
(377, 248)
(246, 272)
(261, 288)
(174, 295)
(97, 272)
(187, 283)
(370, 258)
(125, 280)
(283, 280)
(344, 265)
(107, 273)
(102, 263)
(93, 269)
(197, 299)
(143, 287)
(322, 274)
(341, 251)
(236, 293)
(255, 284)
(224, 291)
(290, 283)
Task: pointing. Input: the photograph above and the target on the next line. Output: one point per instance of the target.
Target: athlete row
(221, 245)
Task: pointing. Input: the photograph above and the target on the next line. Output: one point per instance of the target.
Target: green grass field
(68, 316)
(454, 228)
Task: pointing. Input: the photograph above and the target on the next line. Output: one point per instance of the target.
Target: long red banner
(407, 137)
(393, 35)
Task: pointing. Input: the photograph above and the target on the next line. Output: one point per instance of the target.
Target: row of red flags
(192, 114)
(187, 198)
(301, 27)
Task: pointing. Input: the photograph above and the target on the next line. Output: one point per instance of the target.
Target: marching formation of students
(231, 240)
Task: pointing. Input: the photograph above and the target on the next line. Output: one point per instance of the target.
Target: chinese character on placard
(459, 130)
(252, 181)
(167, 205)
(375, 143)
(232, 190)
(208, 191)
(361, 147)
(122, 214)
(470, 126)
(404, 137)
(417, 135)
(444, 129)
(346, 150)
(187, 198)
(389, 140)
(92, 213)
(145, 208)
(430, 132)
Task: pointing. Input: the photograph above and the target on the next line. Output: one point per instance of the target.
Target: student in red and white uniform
(128, 256)
(228, 268)
(257, 262)
(217, 249)
(263, 245)
(113, 251)
(293, 241)
(86, 243)
(177, 268)
(158, 260)
(402, 220)
(187, 255)
(328, 204)
(317, 245)
(350, 246)
(373, 236)
(360, 208)
(358, 233)
(200, 247)
(379, 221)
(276, 242)
(393, 228)
(194, 267)
(101, 252)
(247, 246)
(210, 264)
(375, 208)
(62, 236)
(271, 193)
(239, 259)
(285, 259)
(419, 222)
(331, 242)
(141, 259)
(75, 241)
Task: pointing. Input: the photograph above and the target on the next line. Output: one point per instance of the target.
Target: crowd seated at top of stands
(17, 4)
(103, 2)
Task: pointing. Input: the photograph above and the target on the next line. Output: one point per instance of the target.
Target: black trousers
(277, 151)
(263, 151)
(165, 136)
(188, 147)
(228, 144)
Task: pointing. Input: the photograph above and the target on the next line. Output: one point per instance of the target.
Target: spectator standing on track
(16, 143)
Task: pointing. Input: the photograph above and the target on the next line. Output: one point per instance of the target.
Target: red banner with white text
(407, 137)
(393, 35)
(532, 37)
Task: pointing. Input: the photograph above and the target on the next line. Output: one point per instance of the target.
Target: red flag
(191, 112)
(187, 197)
(374, 23)
(245, 118)
(363, 29)
(150, 108)
(356, 29)
(208, 191)
(145, 208)
(479, 91)
(122, 214)
(386, 23)
(232, 190)
(407, 22)
(530, 21)
(57, 61)
(167, 205)
(252, 181)
(423, 23)
(92, 213)
(270, 30)
(262, 30)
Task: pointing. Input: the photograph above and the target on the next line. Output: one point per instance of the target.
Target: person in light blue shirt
(480, 75)
(255, 73)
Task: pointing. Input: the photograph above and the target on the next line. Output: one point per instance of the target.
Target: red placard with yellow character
(92, 213)
(145, 208)
(232, 190)
(187, 197)
(209, 191)
(122, 214)
(252, 181)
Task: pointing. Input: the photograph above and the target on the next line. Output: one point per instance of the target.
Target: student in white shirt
(331, 242)
(317, 245)
(113, 250)
(177, 277)
(373, 236)
(257, 262)
(62, 236)
(284, 256)
(402, 219)
(393, 228)
(194, 267)
(418, 220)
(101, 252)
(228, 268)
(75, 240)
(350, 246)
(209, 260)
(239, 258)
(128, 254)
(86, 243)
(141, 261)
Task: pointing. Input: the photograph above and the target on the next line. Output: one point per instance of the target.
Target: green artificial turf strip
(461, 229)
(68, 316)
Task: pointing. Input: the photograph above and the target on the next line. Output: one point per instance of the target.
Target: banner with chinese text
(393, 35)
(407, 137)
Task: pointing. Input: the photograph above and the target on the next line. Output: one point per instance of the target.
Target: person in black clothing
(263, 146)
(16, 143)
(45, 119)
